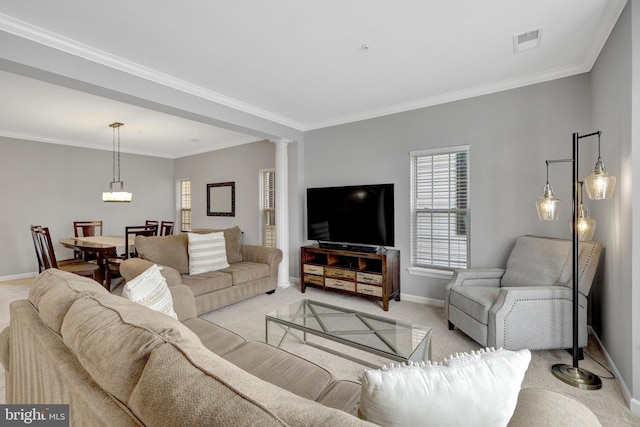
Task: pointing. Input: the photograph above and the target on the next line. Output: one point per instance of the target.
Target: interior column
(282, 208)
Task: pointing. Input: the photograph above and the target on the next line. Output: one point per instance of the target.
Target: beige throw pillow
(150, 289)
(476, 389)
(207, 252)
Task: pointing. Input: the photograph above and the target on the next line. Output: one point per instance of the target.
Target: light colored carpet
(247, 319)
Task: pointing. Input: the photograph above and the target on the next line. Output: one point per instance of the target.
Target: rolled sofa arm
(262, 254)
(132, 267)
(184, 304)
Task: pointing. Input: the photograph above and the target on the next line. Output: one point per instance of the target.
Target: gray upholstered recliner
(528, 304)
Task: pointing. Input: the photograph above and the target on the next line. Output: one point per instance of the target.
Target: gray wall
(53, 185)
(238, 164)
(511, 134)
(616, 111)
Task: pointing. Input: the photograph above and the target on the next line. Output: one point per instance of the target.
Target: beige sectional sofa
(118, 363)
(252, 269)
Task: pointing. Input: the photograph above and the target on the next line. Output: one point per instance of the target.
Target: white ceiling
(297, 63)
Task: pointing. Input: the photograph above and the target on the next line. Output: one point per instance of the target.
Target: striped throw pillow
(207, 252)
(150, 289)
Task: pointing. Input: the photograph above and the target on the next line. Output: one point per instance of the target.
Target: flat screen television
(351, 215)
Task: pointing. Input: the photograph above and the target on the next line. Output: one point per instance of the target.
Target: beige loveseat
(118, 363)
(253, 269)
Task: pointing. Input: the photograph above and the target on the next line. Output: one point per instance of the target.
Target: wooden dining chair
(83, 229)
(151, 222)
(130, 233)
(47, 257)
(166, 228)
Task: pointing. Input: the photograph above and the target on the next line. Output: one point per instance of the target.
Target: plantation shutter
(185, 205)
(268, 208)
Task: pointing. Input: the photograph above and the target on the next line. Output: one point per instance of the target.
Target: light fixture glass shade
(548, 205)
(586, 225)
(600, 184)
(116, 196)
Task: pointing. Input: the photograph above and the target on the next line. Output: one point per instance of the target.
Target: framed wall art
(221, 199)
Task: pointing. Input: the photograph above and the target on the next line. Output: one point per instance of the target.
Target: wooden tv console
(368, 274)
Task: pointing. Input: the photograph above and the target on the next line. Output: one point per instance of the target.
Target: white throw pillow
(150, 289)
(476, 389)
(207, 252)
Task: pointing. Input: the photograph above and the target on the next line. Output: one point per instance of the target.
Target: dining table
(101, 246)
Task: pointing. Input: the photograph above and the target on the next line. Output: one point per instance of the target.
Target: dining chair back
(87, 228)
(47, 257)
(152, 222)
(166, 228)
(130, 233)
(83, 229)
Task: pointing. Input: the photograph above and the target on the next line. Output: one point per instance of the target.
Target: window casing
(440, 214)
(184, 205)
(268, 208)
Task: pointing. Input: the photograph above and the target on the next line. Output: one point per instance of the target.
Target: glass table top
(380, 335)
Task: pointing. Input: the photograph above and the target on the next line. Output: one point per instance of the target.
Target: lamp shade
(548, 205)
(116, 196)
(600, 184)
(585, 225)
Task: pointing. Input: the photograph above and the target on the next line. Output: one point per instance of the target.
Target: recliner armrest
(488, 277)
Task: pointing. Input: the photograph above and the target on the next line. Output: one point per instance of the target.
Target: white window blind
(268, 208)
(185, 205)
(440, 208)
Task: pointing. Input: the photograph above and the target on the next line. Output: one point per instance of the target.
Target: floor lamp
(599, 186)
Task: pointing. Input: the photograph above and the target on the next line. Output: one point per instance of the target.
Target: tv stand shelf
(373, 275)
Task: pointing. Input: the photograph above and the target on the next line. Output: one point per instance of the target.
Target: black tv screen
(360, 214)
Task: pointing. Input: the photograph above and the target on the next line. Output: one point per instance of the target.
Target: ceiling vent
(527, 41)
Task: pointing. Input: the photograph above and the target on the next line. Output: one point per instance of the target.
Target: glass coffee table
(392, 339)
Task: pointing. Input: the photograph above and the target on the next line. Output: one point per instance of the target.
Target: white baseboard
(634, 404)
(18, 276)
(423, 300)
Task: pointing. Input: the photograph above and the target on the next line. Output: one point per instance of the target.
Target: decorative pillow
(207, 252)
(477, 389)
(150, 289)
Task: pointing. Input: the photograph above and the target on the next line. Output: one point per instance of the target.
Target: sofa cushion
(150, 289)
(216, 338)
(281, 368)
(227, 395)
(165, 250)
(204, 283)
(206, 252)
(461, 391)
(538, 261)
(112, 338)
(53, 291)
(343, 395)
(242, 272)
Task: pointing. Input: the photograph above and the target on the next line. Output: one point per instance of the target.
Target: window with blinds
(185, 205)
(440, 208)
(268, 208)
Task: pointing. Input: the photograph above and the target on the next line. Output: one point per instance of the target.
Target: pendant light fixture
(548, 205)
(600, 184)
(585, 225)
(120, 195)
